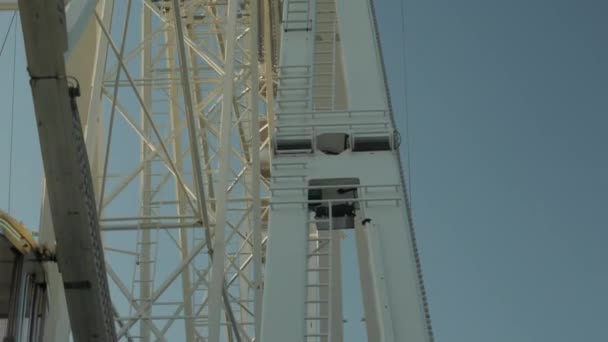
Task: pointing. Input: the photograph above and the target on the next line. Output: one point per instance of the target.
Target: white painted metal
(256, 173)
(145, 244)
(393, 297)
(217, 271)
(189, 94)
(367, 292)
(218, 157)
(69, 184)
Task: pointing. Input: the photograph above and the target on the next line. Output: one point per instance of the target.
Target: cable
(408, 207)
(10, 25)
(10, 158)
(405, 102)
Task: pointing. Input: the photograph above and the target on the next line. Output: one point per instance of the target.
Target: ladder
(318, 283)
(146, 254)
(297, 16)
(294, 90)
(324, 60)
(294, 96)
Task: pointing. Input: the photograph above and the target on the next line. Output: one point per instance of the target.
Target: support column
(284, 308)
(179, 192)
(255, 174)
(365, 276)
(216, 290)
(145, 286)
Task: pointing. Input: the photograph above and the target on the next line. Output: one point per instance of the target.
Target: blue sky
(507, 111)
(507, 104)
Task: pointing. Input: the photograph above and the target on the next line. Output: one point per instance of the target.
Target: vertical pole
(146, 178)
(216, 289)
(93, 130)
(179, 192)
(336, 316)
(330, 274)
(255, 170)
(268, 75)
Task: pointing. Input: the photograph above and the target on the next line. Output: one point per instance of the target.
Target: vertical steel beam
(336, 316)
(66, 166)
(268, 72)
(196, 164)
(190, 118)
(365, 277)
(217, 273)
(93, 127)
(255, 174)
(145, 286)
(179, 193)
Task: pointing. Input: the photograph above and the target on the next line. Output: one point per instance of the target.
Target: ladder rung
(292, 100)
(297, 29)
(293, 88)
(288, 151)
(311, 318)
(291, 77)
(297, 21)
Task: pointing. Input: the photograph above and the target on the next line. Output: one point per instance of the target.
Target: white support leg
(286, 259)
(365, 276)
(336, 315)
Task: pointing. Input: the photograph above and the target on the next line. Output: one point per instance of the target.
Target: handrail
(383, 112)
(332, 186)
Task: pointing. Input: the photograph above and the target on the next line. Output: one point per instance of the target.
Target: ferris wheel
(204, 161)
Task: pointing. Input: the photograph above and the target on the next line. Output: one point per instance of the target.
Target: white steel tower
(336, 166)
(231, 143)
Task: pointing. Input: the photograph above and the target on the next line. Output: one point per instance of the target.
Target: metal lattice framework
(177, 137)
(177, 101)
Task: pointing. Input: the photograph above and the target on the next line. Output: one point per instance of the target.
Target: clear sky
(508, 104)
(508, 111)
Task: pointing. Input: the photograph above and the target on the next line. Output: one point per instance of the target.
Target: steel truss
(177, 106)
(177, 136)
